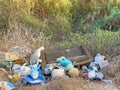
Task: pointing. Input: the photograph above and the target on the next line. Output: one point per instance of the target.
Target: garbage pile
(23, 72)
(92, 72)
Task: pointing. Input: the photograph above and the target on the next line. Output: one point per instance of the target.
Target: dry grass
(22, 36)
(3, 75)
(66, 84)
(113, 70)
(97, 45)
(72, 84)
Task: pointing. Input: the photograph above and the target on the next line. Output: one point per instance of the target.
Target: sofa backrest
(79, 55)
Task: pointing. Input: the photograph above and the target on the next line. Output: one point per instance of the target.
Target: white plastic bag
(91, 75)
(98, 58)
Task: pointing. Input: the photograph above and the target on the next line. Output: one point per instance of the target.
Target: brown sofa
(79, 55)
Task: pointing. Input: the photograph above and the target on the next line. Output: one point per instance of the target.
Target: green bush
(110, 19)
(4, 16)
(98, 41)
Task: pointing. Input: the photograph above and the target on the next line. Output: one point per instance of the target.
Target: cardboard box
(8, 56)
(11, 56)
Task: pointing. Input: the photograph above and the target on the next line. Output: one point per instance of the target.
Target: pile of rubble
(22, 72)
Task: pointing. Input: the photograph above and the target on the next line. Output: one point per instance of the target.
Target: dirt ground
(73, 84)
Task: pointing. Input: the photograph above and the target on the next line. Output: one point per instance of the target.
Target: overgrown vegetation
(98, 41)
(61, 17)
(93, 23)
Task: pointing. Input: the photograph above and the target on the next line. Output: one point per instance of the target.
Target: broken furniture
(78, 55)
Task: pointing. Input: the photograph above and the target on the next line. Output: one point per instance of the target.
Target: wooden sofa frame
(78, 55)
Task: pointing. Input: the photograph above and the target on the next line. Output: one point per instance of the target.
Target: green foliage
(55, 17)
(4, 16)
(107, 17)
(113, 20)
(30, 21)
(51, 8)
(97, 41)
(108, 22)
(34, 13)
(65, 44)
(79, 11)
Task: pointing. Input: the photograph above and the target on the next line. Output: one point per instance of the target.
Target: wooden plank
(79, 58)
(84, 62)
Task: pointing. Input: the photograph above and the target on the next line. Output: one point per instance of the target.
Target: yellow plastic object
(15, 78)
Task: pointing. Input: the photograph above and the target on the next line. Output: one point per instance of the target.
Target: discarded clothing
(68, 67)
(65, 63)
